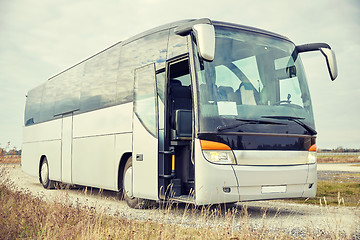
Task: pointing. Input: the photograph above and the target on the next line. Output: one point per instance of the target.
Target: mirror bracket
(186, 28)
(204, 32)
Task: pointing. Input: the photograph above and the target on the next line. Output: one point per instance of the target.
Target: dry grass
(338, 188)
(10, 159)
(334, 194)
(338, 159)
(25, 216)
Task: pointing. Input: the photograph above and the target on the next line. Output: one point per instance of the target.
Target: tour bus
(195, 111)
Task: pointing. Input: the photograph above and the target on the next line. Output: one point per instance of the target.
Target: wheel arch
(40, 162)
(121, 166)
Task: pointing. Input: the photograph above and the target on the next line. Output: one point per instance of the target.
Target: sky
(40, 38)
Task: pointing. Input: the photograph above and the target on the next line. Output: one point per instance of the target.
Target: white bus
(195, 111)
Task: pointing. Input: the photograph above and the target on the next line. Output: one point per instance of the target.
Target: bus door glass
(145, 134)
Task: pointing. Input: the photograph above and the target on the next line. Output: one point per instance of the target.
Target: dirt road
(288, 217)
(339, 167)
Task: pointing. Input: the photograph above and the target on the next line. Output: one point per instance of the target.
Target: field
(342, 189)
(10, 159)
(333, 188)
(338, 158)
(23, 216)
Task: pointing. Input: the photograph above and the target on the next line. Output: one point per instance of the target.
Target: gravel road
(291, 218)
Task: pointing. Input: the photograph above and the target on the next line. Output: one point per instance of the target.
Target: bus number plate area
(273, 189)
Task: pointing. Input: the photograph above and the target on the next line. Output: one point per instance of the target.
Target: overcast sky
(40, 38)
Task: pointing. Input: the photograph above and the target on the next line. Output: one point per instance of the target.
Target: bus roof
(186, 26)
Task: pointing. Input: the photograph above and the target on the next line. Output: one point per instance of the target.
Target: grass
(10, 159)
(334, 193)
(339, 189)
(338, 158)
(25, 216)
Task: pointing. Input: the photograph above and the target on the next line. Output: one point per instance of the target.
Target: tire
(133, 202)
(44, 175)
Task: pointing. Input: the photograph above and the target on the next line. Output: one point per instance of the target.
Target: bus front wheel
(131, 201)
(44, 175)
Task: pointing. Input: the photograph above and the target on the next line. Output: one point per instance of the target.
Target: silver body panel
(270, 158)
(94, 146)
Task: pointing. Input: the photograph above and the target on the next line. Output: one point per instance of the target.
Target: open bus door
(145, 134)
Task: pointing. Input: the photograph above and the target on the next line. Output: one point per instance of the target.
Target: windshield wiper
(296, 120)
(246, 121)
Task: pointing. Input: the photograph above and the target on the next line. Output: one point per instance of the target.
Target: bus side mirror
(205, 39)
(330, 61)
(326, 51)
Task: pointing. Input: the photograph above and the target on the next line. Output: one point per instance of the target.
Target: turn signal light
(312, 148)
(210, 145)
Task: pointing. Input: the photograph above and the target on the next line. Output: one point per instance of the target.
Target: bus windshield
(256, 83)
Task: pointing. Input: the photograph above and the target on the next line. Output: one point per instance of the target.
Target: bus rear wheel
(44, 175)
(133, 202)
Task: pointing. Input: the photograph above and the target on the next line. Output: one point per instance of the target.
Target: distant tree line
(4, 151)
(339, 150)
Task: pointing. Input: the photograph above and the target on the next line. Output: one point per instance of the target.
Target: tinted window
(177, 45)
(138, 53)
(99, 81)
(47, 111)
(145, 97)
(32, 110)
(68, 85)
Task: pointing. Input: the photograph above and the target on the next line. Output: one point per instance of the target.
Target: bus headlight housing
(312, 154)
(216, 152)
(219, 157)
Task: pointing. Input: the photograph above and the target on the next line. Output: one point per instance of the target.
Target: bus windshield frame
(252, 78)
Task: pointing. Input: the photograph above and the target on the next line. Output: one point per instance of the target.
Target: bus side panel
(93, 161)
(38, 140)
(45, 131)
(96, 137)
(211, 179)
(111, 120)
(31, 155)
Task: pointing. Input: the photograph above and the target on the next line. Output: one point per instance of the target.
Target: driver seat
(247, 93)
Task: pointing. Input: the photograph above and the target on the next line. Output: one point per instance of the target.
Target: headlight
(220, 157)
(217, 152)
(312, 154)
(311, 157)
